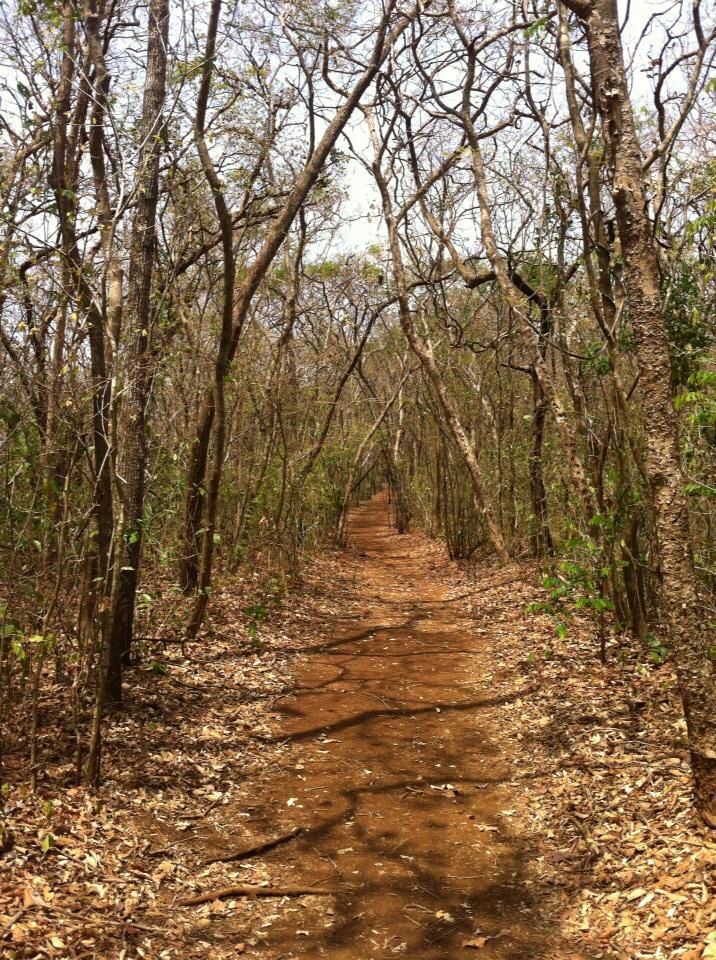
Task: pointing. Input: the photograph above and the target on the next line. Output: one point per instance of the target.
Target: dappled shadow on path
(400, 783)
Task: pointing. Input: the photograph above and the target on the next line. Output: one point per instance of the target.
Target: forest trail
(400, 782)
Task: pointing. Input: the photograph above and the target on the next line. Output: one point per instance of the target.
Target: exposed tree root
(249, 890)
(258, 848)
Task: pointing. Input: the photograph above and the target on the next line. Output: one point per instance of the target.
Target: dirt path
(467, 782)
(400, 782)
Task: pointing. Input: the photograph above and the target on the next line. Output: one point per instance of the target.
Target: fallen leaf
(477, 944)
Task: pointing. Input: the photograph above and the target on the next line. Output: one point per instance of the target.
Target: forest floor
(432, 772)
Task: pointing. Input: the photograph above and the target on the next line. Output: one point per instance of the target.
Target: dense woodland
(260, 260)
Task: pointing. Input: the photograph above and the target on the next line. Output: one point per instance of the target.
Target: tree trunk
(63, 180)
(679, 600)
(542, 544)
(138, 364)
(198, 459)
(217, 417)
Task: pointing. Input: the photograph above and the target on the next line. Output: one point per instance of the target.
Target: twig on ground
(200, 816)
(248, 890)
(258, 848)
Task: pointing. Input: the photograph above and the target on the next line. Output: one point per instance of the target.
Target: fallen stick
(200, 816)
(172, 846)
(12, 921)
(249, 890)
(257, 848)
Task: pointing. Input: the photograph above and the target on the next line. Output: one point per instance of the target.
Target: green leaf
(48, 843)
(700, 490)
(536, 28)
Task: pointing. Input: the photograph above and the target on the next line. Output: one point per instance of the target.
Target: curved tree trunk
(679, 599)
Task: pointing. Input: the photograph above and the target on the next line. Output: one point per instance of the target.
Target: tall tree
(138, 369)
(680, 606)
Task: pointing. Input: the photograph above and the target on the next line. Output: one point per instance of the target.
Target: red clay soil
(400, 781)
(466, 783)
